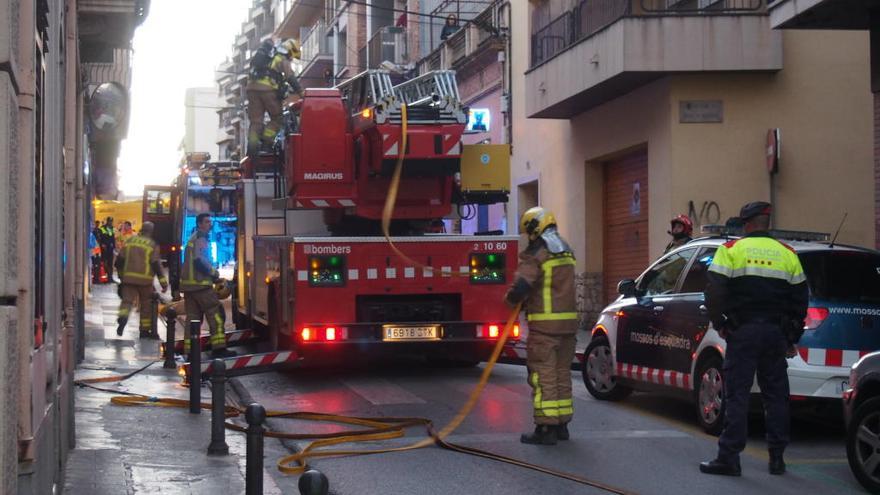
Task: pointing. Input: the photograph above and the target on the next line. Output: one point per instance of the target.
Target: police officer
(757, 299)
(545, 285)
(138, 263)
(197, 279)
(680, 228)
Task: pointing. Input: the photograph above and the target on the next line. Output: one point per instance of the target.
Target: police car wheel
(863, 444)
(597, 372)
(709, 395)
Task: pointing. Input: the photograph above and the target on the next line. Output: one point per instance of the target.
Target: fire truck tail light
(515, 331)
(330, 333)
(324, 334)
(306, 334)
(493, 331)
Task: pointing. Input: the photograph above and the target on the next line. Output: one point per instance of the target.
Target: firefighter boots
(562, 431)
(543, 435)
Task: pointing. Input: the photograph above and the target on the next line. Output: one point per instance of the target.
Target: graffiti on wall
(708, 213)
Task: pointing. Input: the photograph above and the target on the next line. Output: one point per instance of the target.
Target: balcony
(604, 49)
(302, 14)
(317, 54)
(105, 25)
(820, 14)
(476, 39)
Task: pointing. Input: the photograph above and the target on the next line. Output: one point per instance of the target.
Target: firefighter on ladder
(545, 285)
(267, 88)
(137, 263)
(197, 280)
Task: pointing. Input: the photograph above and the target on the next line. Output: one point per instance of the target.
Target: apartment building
(629, 112)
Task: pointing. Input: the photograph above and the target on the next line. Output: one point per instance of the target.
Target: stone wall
(589, 298)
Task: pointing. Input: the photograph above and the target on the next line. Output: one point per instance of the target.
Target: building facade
(200, 121)
(628, 113)
(54, 54)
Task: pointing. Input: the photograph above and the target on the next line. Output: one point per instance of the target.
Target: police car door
(642, 336)
(684, 315)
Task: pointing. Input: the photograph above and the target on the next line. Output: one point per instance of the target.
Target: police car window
(843, 276)
(695, 280)
(663, 276)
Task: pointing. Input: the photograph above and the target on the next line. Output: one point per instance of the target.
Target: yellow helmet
(221, 288)
(290, 47)
(535, 221)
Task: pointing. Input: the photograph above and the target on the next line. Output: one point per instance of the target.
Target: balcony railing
(591, 16)
(315, 43)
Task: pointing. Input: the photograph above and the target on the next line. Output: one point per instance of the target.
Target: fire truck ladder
(431, 98)
(366, 90)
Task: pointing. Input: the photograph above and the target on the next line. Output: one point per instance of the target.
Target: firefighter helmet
(535, 221)
(221, 288)
(290, 47)
(685, 222)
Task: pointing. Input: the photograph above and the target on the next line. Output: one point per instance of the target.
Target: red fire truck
(315, 271)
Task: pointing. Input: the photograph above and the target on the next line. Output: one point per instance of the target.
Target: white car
(657, 336)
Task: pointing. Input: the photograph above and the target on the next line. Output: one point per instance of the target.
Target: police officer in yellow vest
(265, 92)
(757, 299)
(545, 285)
(196, 282)
(138, 262)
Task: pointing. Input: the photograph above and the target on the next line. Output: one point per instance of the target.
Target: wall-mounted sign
(479, 120)
(773, 148)
(700, 111)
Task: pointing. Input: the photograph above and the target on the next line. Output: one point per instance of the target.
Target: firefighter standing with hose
(138, 262)
(197, 280)
(545, 285)
(269, 79)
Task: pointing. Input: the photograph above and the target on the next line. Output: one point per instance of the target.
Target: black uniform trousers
(755, 346)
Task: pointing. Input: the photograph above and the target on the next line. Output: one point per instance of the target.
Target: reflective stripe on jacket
(279, 66)
(139, 255)
(549, 279)
(756, 276)
(191, 278)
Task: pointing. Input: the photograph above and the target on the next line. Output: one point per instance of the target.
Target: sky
(179, 46)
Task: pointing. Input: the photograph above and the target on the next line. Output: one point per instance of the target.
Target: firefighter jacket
(756, 277)
(544, 283)
(138, 261)
(279, 71)
(197, 272)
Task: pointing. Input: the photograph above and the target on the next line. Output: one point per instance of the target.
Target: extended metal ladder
(429, 88)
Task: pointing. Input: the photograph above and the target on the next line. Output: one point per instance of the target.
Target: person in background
(108, 247)
(681, 228)
(450, 27)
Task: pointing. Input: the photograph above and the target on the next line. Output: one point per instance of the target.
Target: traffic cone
(102, 274)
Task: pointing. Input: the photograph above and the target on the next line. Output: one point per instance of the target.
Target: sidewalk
(143, 450)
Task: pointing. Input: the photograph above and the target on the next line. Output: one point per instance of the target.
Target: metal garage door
(625, 241)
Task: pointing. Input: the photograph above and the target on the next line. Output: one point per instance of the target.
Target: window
(695, 280)
(662, 277)
(843, 276)
(158, 202)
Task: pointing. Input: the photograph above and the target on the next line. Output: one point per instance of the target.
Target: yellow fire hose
(374, 429)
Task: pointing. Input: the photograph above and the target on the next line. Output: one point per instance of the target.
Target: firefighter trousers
(259, 103)
(204, 302)
(549, 360)
(144, 295)
(755, 347)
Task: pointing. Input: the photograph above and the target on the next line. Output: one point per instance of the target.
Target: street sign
(772, 150)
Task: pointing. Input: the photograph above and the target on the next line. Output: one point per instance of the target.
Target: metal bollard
(154, 321)
(195, 368)
(218, 409)
(313, 482)
(170, 330)
(255, 415)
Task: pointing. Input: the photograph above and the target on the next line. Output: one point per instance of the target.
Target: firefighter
(270, 76)
(680, 229)
(138, 262)
(197, 280)
(544, 283)
(757, 300)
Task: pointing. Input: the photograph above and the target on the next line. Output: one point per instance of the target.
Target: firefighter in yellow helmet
(544, 283)
(269, 81)
(197, 278)
(137, 263)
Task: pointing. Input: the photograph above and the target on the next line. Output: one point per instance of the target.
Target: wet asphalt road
(647, 444)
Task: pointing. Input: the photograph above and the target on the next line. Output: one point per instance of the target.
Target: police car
(657, 336)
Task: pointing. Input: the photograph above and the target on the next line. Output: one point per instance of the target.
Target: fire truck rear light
(366, 113)
(330, 333)
(493, 331)
(173, 248)
(306, 334)
(515, 331)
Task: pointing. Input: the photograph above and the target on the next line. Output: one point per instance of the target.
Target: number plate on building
(425, 332)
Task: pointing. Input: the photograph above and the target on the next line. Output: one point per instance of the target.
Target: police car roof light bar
(790, 235)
